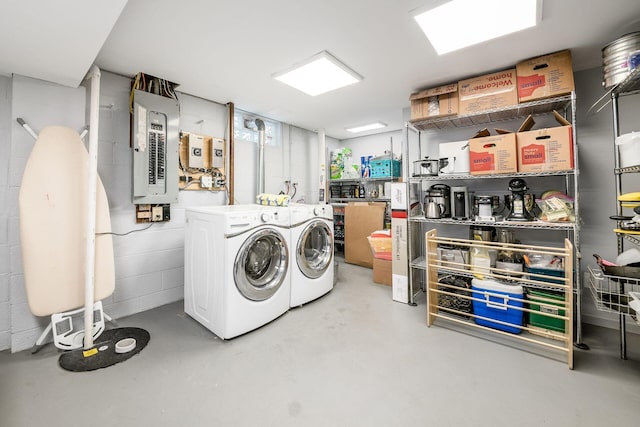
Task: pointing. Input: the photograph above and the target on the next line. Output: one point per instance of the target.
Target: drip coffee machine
(459, 203)
(517, 201)
(438, 195)
(487, 208)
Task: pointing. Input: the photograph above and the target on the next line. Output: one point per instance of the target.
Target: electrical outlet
(218, 182)
(206, 181)
(157, 213)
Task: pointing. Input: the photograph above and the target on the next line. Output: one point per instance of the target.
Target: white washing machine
(236, 267)
(312, 252)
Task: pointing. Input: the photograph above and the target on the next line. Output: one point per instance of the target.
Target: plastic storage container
(547, 272)
(629, 147)
(498, 304)
(539, 319)
(381, 168)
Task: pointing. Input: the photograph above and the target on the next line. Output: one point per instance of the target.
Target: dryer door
(315, 249)
(261, 265)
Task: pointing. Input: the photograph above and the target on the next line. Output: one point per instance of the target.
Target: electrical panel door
(154, 135)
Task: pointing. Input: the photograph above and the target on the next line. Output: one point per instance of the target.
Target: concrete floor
(351, 358)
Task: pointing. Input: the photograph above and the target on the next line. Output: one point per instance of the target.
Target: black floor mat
(96, 358)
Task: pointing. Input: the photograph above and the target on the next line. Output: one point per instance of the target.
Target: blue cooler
(497, 303)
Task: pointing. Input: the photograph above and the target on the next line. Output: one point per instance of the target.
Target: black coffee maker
(440, 194)
(519, 211)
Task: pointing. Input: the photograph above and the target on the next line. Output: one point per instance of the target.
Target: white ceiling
(227, 50)
(55, 41)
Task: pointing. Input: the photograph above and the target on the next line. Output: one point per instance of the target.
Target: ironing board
(53, 210)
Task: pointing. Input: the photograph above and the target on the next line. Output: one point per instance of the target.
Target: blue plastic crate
(385, 168)
(498, 304)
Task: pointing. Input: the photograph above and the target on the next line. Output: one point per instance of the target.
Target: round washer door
(315, 249)
(261, 265)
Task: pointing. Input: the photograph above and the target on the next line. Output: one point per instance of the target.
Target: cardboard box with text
(487, 92)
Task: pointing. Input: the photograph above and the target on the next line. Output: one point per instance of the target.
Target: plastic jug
(480, 260)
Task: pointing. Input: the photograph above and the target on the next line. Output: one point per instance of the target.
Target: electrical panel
(154, 137)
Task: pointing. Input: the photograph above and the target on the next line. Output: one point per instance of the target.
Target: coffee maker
(440, 195)
(487, 208)
(459, 203)
(518, 207)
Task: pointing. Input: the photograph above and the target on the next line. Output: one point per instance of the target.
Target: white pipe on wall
(322, 159)
(261, 176)
(90, 252)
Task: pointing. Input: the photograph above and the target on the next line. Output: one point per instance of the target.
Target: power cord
(128, 232)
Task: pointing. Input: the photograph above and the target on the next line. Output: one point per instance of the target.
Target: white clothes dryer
(312, 267)
(236, 267)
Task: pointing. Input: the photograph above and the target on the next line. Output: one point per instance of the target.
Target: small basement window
(245, 129)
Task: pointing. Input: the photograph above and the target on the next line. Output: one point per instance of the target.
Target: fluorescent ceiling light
(363, 128)
(461, 23)
(319, 74)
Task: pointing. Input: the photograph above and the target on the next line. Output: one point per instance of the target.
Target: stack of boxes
(525, 150)
(381, 245)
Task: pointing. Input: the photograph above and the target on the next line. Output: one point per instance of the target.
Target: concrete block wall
(149, 264)
(304, 146)
(5, 270)
(40, 104)
(374, 145)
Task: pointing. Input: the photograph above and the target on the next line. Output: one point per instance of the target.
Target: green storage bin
(539, 319)
(547, 272)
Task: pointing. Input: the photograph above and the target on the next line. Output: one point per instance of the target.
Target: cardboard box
(435, 102)
(382, 271)
(544, 150)
(400, 261)
(493, 154)
(400, 288)
(545, 76)
(399, 200)
(361, 219)
(380, 243)
(487, 92)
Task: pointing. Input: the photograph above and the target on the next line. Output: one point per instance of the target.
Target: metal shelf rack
(538, 225)
(413, 129)
(338, 200)
(496, 115)
(629, 86)
(491, 176)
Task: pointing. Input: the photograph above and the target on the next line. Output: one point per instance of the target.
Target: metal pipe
(322, 157)
(231, 172)
(26, 127)
(260, 125)
(90, 253)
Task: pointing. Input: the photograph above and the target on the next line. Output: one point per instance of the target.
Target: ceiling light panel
(319, 74)
(364, 128)
(461, 23)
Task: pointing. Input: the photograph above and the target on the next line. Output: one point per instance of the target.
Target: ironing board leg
(39, 343)
(41, 340)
